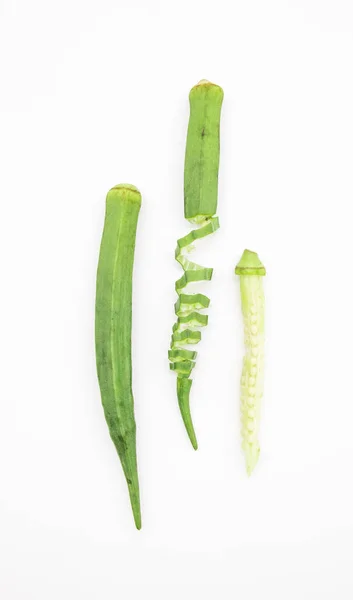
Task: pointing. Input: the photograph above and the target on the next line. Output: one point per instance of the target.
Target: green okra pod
(200, 206)
(251, 270)
(113, 329)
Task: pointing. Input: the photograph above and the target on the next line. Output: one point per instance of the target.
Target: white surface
(94, 94)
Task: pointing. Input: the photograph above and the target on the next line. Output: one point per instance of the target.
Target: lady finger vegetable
(251, 270)
(200, 205)
(113, 328)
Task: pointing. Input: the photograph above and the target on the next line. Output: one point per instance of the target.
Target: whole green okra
(113, 329)
(200, 206)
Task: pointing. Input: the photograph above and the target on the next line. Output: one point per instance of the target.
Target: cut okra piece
(200, 206)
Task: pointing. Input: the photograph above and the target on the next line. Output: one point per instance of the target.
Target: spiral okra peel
(113, 329)
(251, 270)
(200, 206)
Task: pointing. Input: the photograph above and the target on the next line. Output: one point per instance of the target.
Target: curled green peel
(200, 206)
(251, 270)
(189, 320)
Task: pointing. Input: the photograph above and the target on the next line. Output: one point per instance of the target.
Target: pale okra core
(251, 270)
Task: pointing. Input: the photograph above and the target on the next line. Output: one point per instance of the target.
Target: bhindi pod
(113, 329)
(200, 206)
(251, 270)
(202, 151)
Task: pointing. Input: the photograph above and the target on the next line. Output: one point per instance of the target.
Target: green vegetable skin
(200, 206)
(113, 329)
(251, 270)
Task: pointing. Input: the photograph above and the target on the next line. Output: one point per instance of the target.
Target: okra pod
(113, 329)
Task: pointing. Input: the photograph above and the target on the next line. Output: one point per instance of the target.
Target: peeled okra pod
(113, 329)
(200, 206)
(251, 270)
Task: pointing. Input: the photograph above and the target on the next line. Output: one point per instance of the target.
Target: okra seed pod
(113, 329)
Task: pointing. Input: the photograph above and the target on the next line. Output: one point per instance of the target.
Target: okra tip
(250, 264)
(183, 393)
(137, 519)
(133, 487)
(252, 457)
(136, 510)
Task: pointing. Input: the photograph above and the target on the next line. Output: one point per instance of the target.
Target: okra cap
(250, 264)
(204, 84)
(125, 191)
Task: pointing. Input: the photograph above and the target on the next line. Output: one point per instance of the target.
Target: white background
(94, 94)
